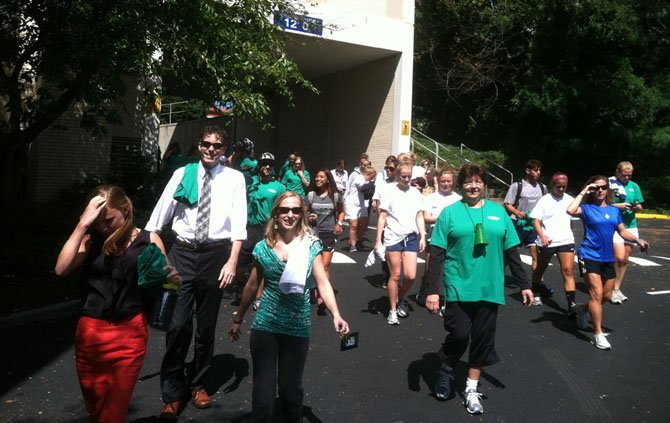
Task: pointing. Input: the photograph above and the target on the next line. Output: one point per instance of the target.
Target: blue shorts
(527, 236)
(409, 244)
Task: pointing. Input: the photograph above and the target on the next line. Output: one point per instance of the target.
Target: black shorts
(254, 234)
(328, 240)
(550, 251)
(602, 268)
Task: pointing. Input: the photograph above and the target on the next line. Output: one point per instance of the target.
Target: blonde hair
(624, 165)
(408, 157)
(369, 171)
(271, 232)
(116, 198)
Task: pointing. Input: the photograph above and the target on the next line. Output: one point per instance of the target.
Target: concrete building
(358, 54)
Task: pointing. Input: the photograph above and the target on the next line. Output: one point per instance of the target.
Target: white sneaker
(582, 317)
(393, 318)
(616, 297)
(472, 402)
(601, 342)
(622, 296)
(537, 301)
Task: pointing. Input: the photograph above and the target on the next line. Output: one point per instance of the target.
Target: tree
(558, 80)
(56, 53)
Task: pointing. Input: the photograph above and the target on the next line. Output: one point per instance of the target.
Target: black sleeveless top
(108, 284)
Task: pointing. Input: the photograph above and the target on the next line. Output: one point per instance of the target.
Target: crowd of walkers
(280, 247)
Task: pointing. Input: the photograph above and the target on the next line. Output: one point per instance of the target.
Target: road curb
(39, 314)
(651, 216)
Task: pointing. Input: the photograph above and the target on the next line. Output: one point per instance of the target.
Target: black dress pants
(200, 287)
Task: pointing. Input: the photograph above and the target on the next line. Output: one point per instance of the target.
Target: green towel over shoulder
(187, 191)
(150, 266)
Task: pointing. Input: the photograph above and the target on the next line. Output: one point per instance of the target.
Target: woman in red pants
(111, 335)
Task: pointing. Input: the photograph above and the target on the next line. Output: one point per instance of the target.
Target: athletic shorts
(328, 240)
(602, 268)
(410, 244)
(550, 251)
(618, 240)
(527, 237)
(354, 212)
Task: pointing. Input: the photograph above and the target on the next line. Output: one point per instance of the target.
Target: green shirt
(249, 168)
(292, 182)
(261, 197)
(474, 273)
(633, 194)
(286, 314)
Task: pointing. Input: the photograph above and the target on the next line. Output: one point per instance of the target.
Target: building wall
(66, 153)
(59, 157)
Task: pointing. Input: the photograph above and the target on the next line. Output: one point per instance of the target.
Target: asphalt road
(550, 371)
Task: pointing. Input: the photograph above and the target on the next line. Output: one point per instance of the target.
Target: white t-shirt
(435, 202)
(551, 211)
(402, 207)
(353, 196)
(381, 187)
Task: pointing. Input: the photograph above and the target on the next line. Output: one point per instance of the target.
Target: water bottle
(164, 309)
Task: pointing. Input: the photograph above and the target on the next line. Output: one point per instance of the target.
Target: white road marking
(642, 262)
(342, 258)
(658, 292)
(659, 257)
(526, 259)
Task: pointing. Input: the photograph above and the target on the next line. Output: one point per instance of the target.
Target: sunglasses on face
(600, 188)
(285, 210)
(206, 145)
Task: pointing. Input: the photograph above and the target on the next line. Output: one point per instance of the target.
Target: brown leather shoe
(170, 412)
(201, 399)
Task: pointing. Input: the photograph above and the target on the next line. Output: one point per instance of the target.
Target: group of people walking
(284, 240)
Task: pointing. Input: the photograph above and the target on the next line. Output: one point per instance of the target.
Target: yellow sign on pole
(405, 128)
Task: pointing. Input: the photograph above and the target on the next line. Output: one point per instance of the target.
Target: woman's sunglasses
(285, 210)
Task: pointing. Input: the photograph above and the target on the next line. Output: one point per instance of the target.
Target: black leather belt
(202, 246)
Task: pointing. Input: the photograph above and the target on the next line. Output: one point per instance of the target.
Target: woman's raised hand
(92, 210)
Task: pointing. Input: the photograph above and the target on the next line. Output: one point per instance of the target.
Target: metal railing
(170, 112)
(477, 153)
(457, 159)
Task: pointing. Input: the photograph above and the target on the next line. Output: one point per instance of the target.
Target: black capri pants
(473, 323)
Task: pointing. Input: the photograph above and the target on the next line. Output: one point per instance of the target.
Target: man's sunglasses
(207, 144)
(285, 210)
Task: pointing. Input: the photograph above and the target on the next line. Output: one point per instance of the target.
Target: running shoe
(473, 402)
(537, 301)
(571, 309)
(352, 249)
(582, 317)
(622, 296)
(257, 303)
(616, 297)
(601, 342)
(443, 383)
(393, 318)
(545, 291)
(403, 308)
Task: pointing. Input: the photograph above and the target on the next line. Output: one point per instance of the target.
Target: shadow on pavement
(30, 347)
(224, 368)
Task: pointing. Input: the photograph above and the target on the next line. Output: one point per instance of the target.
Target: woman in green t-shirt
(469, 245)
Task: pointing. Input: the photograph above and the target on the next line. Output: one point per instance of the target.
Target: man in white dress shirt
(206, 203)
